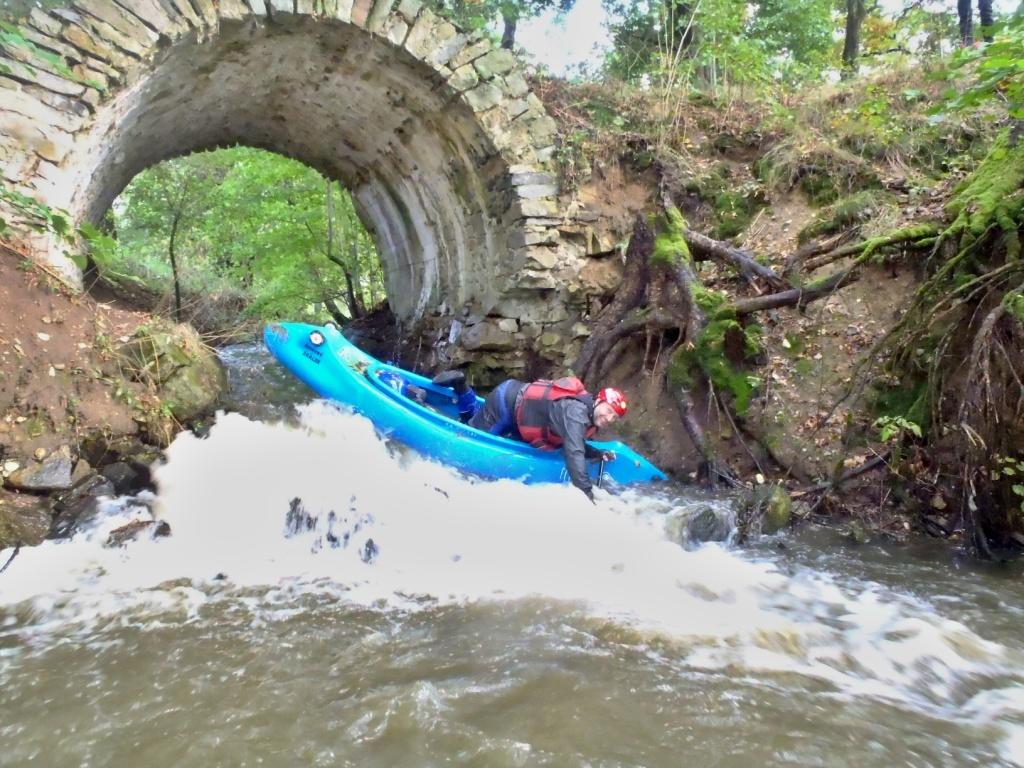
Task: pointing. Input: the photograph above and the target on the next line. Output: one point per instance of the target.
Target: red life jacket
(533, 414)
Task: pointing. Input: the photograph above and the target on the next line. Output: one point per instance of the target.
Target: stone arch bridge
(448, 154)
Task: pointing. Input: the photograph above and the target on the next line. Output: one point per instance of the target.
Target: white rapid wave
(329, 507)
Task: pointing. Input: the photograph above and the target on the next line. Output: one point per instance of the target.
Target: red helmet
(614, 398)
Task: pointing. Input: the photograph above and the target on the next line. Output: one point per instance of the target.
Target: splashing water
(267, 516)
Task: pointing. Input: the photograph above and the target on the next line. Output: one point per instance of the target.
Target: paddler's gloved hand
(608, 456)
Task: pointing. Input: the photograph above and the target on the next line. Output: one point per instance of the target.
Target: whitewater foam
(442, 538)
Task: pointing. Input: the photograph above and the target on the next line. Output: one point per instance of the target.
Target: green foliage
(244, 220)
(901, 400)
(37, 216)
(720, 44)
(895, 427)
(1010, 469)
(42, 218)
(993, 74)
(1014, 302)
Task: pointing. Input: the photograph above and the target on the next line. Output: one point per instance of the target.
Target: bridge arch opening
(428, 140)
(236, 237)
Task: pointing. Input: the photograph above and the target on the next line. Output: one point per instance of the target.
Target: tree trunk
(330, 218)
(855, 12)
(174, 265)
(508, 35)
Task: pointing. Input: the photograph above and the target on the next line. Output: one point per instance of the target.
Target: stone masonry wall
(449, 155)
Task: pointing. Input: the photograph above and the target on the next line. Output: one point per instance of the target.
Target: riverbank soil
(72, 403)
(828, 395)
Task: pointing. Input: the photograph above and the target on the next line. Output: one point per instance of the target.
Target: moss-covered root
(992, 196)
(918, 235)
(670, 246)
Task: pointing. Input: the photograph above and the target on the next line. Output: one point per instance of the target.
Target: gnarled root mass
(961, 340)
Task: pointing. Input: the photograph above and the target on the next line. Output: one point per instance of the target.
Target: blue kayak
(336, 369)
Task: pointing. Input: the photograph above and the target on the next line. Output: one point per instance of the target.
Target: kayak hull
(336, 369)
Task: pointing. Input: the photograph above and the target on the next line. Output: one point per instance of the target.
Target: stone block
(409, 10)
(302, 7)
(471, 53)
(343, 10)
(464, 78)
(523, 237)
(28, 105)
(549, 340)
(78, 34)
(44, 23)
(396, 30)
(536, 208)
(534, 191)
(379, 15)
(601, 276)
(543, 131)
(508, 324)
(496, 61)
(482, 97)
(52, 474)
(532, 177)
(29, 68)
(487, 335)
(516, 85)
(257, 7)
(538, 257)
(208, 11)
(446, 50)
(116, 17)
(515, 108)
(534, 279)
(183, 10)
(162, 15)
(361, 12)
(427, 34)
(281, 6)
(111, 35)
(532, 312)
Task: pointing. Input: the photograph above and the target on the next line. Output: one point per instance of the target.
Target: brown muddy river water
(424, 619)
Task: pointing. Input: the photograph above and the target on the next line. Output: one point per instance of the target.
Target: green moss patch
(710, 356)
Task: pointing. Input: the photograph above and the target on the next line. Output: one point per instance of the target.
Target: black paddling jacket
(572, 420)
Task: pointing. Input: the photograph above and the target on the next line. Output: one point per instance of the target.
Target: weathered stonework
(447, 152)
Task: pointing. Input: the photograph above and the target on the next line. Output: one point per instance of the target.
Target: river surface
(326, 598)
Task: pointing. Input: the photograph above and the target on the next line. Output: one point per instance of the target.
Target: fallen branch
(743, 261)
(14, 554)
(798, 297)
(850, 474)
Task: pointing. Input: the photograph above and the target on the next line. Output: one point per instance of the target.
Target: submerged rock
(700, 523)
(78, 506)
(765, 509)
(131, 531)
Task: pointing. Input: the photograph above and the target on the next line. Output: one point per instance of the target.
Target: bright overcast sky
(581, 35)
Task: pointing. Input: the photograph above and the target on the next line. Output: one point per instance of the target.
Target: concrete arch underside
(446, 151)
